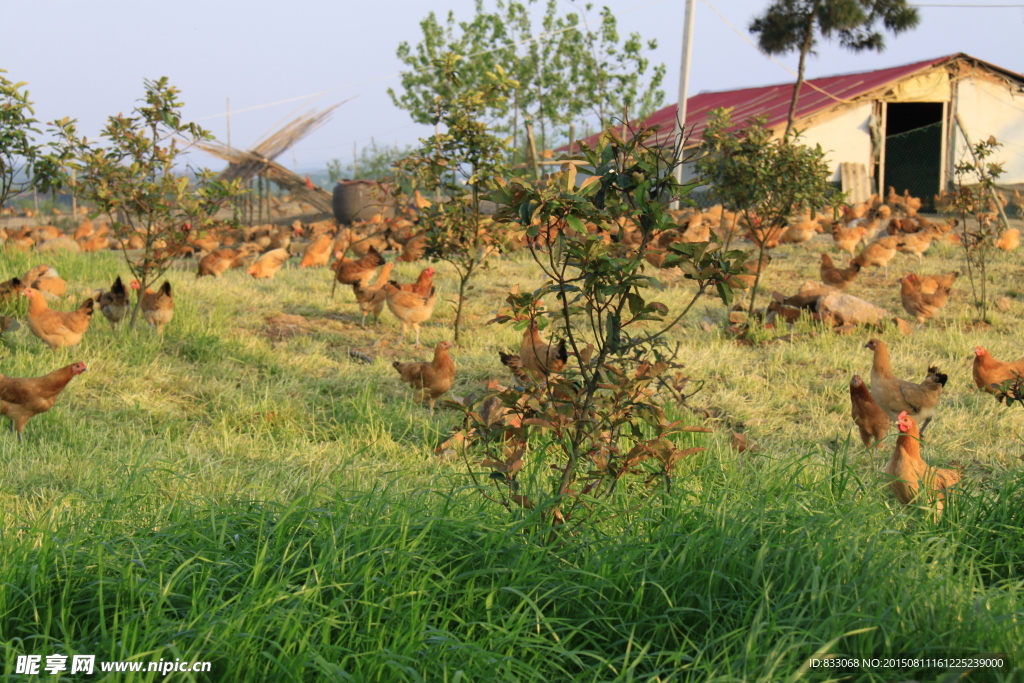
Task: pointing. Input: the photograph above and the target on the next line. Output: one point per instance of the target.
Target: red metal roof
(773, 101)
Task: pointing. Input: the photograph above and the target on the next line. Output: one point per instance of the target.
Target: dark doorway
(913, 150)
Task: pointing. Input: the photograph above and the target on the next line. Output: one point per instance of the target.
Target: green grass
(228, 493)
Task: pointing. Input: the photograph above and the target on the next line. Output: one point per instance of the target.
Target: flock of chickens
(907, 403)
(413, 304)
(882, 227)
(23, 398)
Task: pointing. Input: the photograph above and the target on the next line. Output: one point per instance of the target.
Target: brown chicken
(918, 304)
(539, 358)
(57, 328)
(909, 471)
(878, 253)
(217, 262)
(318, 253)
(158, 306)
(871, 420)
(410, 308)
(916, 243)
(414, 248)
(768, 236)
(929, 284)
(349, 272)
(11, 288)
(837, 277)
(115, 303)
(268, 264)
(22, 399)
(432, 380)
(423, 283)
(989, 371)
(848, 239)
(371, 297)
(1009, 239)
(800, 232)
(45, 279)
(895, 396)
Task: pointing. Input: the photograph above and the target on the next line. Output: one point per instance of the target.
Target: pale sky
(87, 60)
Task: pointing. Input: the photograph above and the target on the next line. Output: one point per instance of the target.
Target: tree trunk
(804, 50)
(463, 280)
(138, 302)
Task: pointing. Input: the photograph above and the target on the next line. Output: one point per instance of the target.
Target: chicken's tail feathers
(562, 351)
(514, 363)
(934, 374)
(165, 288)
(118, 287)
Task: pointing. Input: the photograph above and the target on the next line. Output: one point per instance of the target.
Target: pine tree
(789, 25)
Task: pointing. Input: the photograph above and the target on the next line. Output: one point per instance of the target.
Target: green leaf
(724, 292)
(576, 224)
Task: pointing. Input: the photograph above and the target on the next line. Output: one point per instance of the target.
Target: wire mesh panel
(912, 162)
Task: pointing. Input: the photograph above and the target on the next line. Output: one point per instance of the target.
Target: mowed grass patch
(249, 493)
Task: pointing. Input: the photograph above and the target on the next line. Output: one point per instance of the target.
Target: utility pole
(684, 86)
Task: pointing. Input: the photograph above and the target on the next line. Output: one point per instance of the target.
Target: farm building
(891, 127)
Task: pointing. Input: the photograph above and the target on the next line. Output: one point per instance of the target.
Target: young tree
(767, 181)
(975, 191)
(25, 163)
(561, 77)
(135, 180)
(599, 427)
(334, 172)
(462, 160)
(789, 25)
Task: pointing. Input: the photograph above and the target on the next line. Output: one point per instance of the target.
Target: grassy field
(242, 491)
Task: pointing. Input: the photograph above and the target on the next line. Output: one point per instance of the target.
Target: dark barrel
(359, 200)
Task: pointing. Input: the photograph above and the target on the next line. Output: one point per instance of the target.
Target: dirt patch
(283, 325)
(286, 325)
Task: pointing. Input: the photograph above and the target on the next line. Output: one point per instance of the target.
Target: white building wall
(844, 137)
(986, 109)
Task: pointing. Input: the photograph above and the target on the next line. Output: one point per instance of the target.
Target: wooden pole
(572, 136)
(74, 199)
(533, 149)
(881, 152)
(263, 185)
